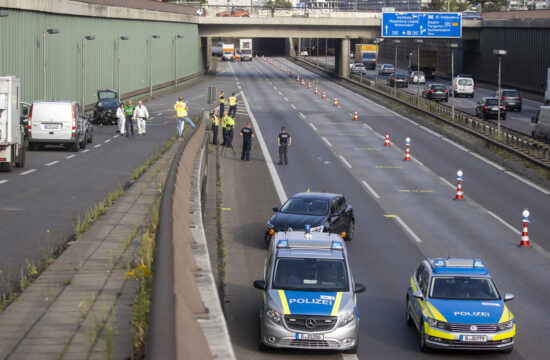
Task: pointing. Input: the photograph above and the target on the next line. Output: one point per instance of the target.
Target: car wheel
(519, 109)
(75, 147)
(84, 141)
(31, 146)
(5, 167)
(422, 339)
(408, 317)
(354, 349)
(504, 117)
(351, 230)
(21, 161)
(91, 138)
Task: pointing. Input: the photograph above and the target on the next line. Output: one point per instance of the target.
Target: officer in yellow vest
(229, 126)
(215, 125)
(222, 103)
(224, 130)
(232, 105)
(181, 115)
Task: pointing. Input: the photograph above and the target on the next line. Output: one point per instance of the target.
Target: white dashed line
(371, 190)
(487, 161)
(286, 99)
(350, 114)
(527, 182)
(3, 181)
(345, 162)
(417, 161)
(238, 82)
(314, 128)
(98, 145)
(280, 93)
(499, 219)
(160, 114)
(108, 140)
(114, 137)
(366, 126)
(52, 163)
(408, 229)
(85, 151)
(275, 87)
(69, 156)
(239, 87)
(292, 106)
(28, 171)
(302, 115)
(325, 140)
(446, 182)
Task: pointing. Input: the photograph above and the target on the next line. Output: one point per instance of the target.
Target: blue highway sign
(421, 25)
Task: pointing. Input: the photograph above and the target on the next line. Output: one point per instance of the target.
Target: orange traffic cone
(335, 101)
(525, 232)
(303, 82)
(309, 84)
(408, 151)
(316, 91)
(459, 193)
(324, 96)
(355, 116)
(298, 78)
(387, 142)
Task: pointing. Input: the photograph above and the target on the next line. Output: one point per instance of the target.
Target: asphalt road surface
(404, 211)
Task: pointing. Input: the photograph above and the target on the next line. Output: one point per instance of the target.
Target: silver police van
(309, 296)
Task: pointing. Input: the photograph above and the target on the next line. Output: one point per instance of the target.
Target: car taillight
(431, 90)
(504, 108)
(29, 124)
(485, 107)
(456, 86)
(74, 118)
(503, 98)
(519, 99)
(445, 91)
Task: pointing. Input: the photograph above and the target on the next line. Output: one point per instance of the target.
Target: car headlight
(506, 325)
(317, 228)
(273, 316)
(346, 318)
(270, 225)
(437, 324)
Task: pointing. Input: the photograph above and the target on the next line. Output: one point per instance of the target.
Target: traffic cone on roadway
(335, 102)
(284, 70)
(387, 142)
(324, 96)
(298, 78)
(355, 116)
(408, 151)
(303, 82)
(309, 84)
(459, 193)
(316, 91)
(525, 232)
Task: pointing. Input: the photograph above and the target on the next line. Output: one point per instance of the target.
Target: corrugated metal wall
(21, 53)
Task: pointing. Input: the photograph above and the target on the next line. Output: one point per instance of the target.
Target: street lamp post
(452, 46)
(89, 37)
(361, 74)
(396, 42)
(418, 42)
(151, 62)
(500, 54)
(326, 53)
(176, 37)
(377, 42)
(118, 63)
(52, 32)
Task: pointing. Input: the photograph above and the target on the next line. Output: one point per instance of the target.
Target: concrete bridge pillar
(206, 43)
(341, 57)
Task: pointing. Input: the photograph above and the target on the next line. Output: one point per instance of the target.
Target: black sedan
(487, 108)
(106, 107)
(437, 92)
(321, 211)
(400, 80)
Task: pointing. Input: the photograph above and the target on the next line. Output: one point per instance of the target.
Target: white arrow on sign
(386, 29)
(421, 30)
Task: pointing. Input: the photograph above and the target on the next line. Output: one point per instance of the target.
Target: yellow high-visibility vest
(222, 99)
(232, 101)
(215, 120)
(181, 109)
(229, 123)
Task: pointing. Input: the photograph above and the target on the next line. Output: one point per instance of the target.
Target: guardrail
(513, 141)
(262, 11)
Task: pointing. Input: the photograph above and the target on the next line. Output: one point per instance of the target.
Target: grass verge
(220, 239)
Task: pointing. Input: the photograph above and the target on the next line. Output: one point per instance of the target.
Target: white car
(358, 68)
(304, 53)
(417, 77)
(228, 55)
(463, 85)
(351, 63)
(386, 69)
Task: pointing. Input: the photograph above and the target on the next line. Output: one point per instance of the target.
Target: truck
(428, 62)
(246, 49)
(12, 135)
(366, 54)
(228, 52)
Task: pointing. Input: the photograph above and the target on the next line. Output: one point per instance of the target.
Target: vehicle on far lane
(463, 85)
(436, 92)
(106, 107)
(386, 69)
(541, 124)
(487, 108)
(358, 68)
(399, 80)
(511, 99)
(417, 77)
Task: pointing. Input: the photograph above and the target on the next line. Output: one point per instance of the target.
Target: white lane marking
(370, 189)
(114, 137)
(85, 151)
(51, 163)
(302, 115)
(28, 171)
(407, 229)
(499, 219)
(313, 126)
(280, 93)
(239, 87)
(270, 165)
(286, 99)
(430, 131)
(417, 161)
(345, 162)
(366, 126)
(98, 145)
(3, 181)
(349, 357)
(69, 156)
(275, 87)
(108, 140)
(458, 146)
(292, 106)
(151, 118)
(447, 182)
(487, 161)
(350, 114)
(159, 114)
(238, 82)
(527, 182)
(325, 140)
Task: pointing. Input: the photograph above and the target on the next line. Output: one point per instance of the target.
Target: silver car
(417, 77)
(358, 68)
(308, 294)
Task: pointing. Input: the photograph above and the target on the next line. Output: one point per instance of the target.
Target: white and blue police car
(455, 304)
(309, 296)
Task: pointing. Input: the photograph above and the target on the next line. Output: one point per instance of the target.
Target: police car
(455, 304)
(309, 297)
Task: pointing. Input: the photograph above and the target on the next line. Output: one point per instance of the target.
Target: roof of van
(54, 101)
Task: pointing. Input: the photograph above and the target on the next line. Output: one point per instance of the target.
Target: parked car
(464, 85)
(234, 12)
(541, 124)
(436, 92)
(417, 77)
(106, 107)
(321, 211)
(304, 53)
(58, 123)
(487, 108)
(351, 63)
(228, 56)
(398, 80)
(386, 69)
(511, 99)
(358, 68)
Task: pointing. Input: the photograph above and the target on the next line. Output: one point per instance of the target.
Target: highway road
(404, 211)
(519, 121)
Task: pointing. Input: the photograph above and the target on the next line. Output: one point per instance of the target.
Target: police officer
(283, 141)
(129, 110)
(229, 126)
(215, 125)
(222, 103)
(232, 105)
(248, 134)
(224, 130)
(181, 115)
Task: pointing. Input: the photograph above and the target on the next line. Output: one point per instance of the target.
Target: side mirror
(534, 120)
(276, 209)
(259, 284)
(508, 297)
(418, 295)
(359, 288)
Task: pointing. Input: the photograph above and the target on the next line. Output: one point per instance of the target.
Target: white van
(58, 123)
(463, 85)
(541, 124)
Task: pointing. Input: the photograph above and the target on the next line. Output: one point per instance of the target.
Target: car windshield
(401, 76)
(310, 274)
(368, 56)
(492, 102)
(415, 73)
(388, 67)
(465, 82)
(107, 95)
(463, 288)
(438, 87)
(245, 52)
(316, 207)
(509, 93)
(228, 53)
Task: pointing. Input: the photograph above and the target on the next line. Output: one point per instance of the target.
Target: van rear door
(52, 121)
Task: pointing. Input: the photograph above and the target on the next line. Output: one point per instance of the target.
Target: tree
(278, 4)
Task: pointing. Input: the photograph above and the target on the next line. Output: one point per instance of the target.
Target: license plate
(494, 108)
(300, 336)
(51, 126)
(473, 338)
(438, 92)
(511, 103)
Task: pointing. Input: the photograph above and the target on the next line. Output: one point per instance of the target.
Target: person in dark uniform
(229, 126)
(222, 103)
(283, 141)
(247, 133)
(215, 126)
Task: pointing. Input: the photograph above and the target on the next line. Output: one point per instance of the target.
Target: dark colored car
(511, 99)
(400, 80)
(321, 211)
(106, 107)
(487, 108)
(436, 92)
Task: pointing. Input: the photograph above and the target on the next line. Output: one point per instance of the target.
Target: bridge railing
(264, 12)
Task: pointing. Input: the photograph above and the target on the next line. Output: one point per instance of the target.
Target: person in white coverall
(140, 115)
(121, 117)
